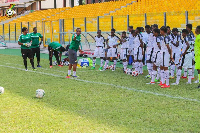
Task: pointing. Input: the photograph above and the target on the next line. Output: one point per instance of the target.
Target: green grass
(125, 104)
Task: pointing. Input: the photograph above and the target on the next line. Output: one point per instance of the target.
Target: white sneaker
(174, 84)
(26, 69)
(102, 70)
(188, 83)
(113, 69)
(197, 81)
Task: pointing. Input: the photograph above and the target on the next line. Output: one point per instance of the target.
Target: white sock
(137, 66)
(101, 63)
(74, 73)
(167, 77)
(162, 76)
(141, 68)
(172, 70)
(190, 76)
(69, 72)
(133, 65)
(158, 74)
(149, 67)
(94, 61)
(125, 65)
(114, 65)
(193, 68)
(153, 76)
(178, 76)
(106, 63)
(185, 72)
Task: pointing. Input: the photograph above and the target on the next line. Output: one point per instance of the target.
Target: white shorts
(123, 54)
(150, 54)
(157, 58)
(165, 59)
(130, 51)
(138, 54)
(99, 52)
(176, 56)
(112, 52)
(186, 61)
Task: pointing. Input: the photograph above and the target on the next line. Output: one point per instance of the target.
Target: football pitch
(95, 102)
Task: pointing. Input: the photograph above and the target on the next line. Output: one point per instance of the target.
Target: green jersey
(55, 46)
(35, 39)
(75, 43)
(197, 46)
(24, 39)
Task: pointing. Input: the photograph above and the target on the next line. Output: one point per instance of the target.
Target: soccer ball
(135, 73)
(66, 63)
(128, 71)
(9, 13)
(111, 67)
(40, 93)
(1, 90)
(85, 64)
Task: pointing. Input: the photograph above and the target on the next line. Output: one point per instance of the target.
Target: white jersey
(163, 43)
(176, 39)
(156, 40)
(187, 39)
(99, 41)
(125, 44)
(131, 39)
(192, 37)
(112, 40)
(150, 40)
(136, 41)
(144, 37)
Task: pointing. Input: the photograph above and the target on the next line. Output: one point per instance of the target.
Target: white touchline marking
(45, 68)
(122, 87)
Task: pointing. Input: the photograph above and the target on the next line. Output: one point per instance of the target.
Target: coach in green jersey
(55, 48)
(25, 42)
(35, 46)
(73, 48)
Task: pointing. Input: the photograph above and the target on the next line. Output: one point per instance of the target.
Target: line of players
(165, 49)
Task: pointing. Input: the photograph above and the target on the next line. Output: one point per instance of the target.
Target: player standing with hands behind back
(73, 48)
(35, 46)
(25, 42)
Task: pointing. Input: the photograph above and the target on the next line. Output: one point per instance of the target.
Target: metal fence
(61, 30)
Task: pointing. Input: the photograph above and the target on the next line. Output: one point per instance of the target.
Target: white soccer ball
(40, 93)
(111, 67)
(85, 64)
(66, 63)
(1, 90)
(128, 71)
(135, 73)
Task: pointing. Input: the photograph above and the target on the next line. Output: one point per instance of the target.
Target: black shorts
(27, 53)
(36, 51)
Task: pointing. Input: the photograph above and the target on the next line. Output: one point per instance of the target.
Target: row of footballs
(127, 71)
(39, 93)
